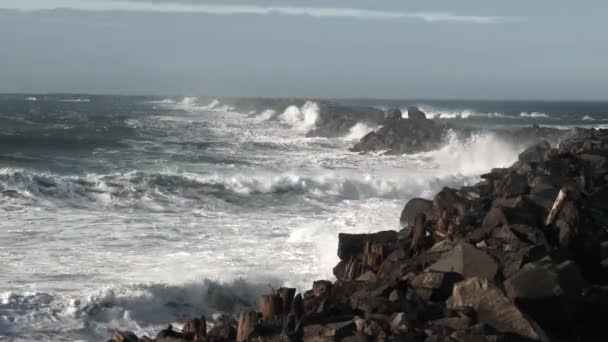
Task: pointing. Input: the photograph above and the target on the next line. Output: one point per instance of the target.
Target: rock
(533, 281)
(329, 332)
(399, 323)
(512, 184)
(351, 245)
(429, 280)
(368, 276)
(467, 261)
(394, 114)
(535, 153)
(492, 307)
(321, 288)
(509, 216)
(414, 207)
(124, 336)
(169, 335)
(447, 198)
(414, 113)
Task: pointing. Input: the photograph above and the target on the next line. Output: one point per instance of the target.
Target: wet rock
(414, 113)
(414, 207)
(535, 154)
(393, 114)
(512, 184)
(169, 335)
(195, 329)
(531, 282)
(493, 307)
(510, 216)
(467, 261)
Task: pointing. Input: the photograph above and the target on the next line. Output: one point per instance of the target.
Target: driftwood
(419, 230)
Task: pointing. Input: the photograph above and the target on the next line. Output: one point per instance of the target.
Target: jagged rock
(531, 282)
(394, 114)
(414, 113)
(414, 207)
(429, 280)
(467, 261)
(509, 216)
(493, 307)
(195, 328)
(447, 198)
(535, 153)
(511, 184)
(399, 323)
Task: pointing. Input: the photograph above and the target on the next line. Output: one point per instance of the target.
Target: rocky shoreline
(520, 256)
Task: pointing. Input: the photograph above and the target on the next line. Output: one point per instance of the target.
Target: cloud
(217, 9)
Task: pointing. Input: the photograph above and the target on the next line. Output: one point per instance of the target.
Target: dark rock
(414, 207)
(512, 184)
(535, 154)
(414, 113)
(510, 216)
(351, 245)
(394, 114)
(447, 198)
(329, 332)
(533, 281)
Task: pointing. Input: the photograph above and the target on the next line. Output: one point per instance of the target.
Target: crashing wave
(301, 118)
(435, 113)
(358, 131)
(588, 118)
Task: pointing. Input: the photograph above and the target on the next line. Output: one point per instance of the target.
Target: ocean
(133, 212)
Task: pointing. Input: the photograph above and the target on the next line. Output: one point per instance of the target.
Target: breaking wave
(142, 308)
(301, 118)
(533, 115)
(358, 131)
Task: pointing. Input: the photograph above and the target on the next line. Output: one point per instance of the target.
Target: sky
(467, 49)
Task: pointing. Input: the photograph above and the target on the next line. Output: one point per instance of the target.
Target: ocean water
(133, 212)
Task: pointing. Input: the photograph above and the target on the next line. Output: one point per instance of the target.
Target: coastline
(519, 256)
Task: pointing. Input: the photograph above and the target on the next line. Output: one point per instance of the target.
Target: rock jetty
(520, 256)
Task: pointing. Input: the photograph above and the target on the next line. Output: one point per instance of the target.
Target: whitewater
(134, 213)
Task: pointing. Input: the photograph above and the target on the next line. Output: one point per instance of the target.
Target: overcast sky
(516, 49)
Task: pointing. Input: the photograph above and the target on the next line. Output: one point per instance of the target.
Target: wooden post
(286, 295)
(247, 322)
(270, 306)
(557, 207)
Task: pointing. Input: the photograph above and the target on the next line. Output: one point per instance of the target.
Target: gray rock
(467, 261)
(412, 208)
(414, 113)
(493, 307)
(535, 153)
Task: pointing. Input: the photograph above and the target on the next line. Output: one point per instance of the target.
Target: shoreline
(520, 256)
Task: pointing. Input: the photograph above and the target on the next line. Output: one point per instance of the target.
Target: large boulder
(412, 208)
(467, 261)
(535, 153)
(493, 307)
(414, 113)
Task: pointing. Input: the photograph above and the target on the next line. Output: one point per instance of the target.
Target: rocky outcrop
(520, 256)
(398, 135)
(337, 120)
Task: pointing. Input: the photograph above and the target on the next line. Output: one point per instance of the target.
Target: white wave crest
(303, 118)
(266, 115)
(75, 100)
(358, 131)
(473, 156)
(30, 98)
(533, 115)
(440, 113)
(588, 118)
